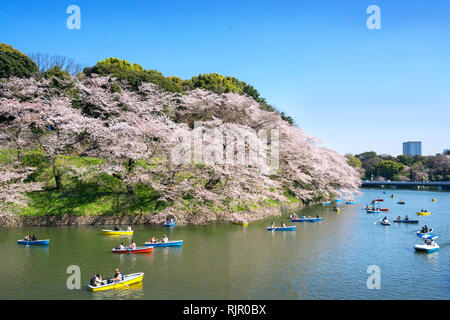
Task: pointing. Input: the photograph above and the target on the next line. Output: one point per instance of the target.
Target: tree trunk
(58, 179)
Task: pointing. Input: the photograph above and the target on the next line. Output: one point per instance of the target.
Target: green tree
(388, 169)
(407, 161)
(353, 161)
(14, 63)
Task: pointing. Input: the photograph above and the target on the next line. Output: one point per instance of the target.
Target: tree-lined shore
(102, 142)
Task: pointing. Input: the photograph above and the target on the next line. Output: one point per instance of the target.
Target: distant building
(412, 148)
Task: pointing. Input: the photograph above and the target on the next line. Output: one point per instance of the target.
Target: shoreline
(13, 220)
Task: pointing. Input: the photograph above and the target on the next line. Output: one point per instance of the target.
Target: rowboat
(170, 224)
(241, 223)
(385, 209)
(385, 222)
(326, 203)
(434, 199)
(117, 233)
(393, 197)
(373, 211)
(307, 220)
(427, 247)
(145, 249)
(337, 210)
(420, 213)
(34, 242)
(337, 200)
(401, 202)
(127, 280)
(406, 221)
(291, 228)
(420, 234)
(350, 202)
(165, 244)
(379, 199)
(374, 202)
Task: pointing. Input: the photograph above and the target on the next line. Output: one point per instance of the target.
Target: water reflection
(134, 291)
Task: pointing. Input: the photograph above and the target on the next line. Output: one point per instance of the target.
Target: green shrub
(14, 63)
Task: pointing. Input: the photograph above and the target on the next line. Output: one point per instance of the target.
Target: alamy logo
(235, 146)
(74, 280)
(374, 280)
(374, 20)
(74, 20)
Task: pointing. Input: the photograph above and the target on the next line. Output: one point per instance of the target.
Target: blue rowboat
(385, 223)
(169, 224)
(307, 220)
(406, 221)
(337, 200)
(35, 242)
(420, 234)
(326, 203)
(373, 211)
(291, 228)
(174, 243)
(351, 202)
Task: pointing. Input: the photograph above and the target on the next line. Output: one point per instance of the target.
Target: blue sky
(355, 89)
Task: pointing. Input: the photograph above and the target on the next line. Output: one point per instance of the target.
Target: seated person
(96, 280)
(153, 240)
(116, 228)
(133, 245)
(128, 228)
(117, 276)
(165, 239)
(122, 247)
(27, 237)
(34, 237)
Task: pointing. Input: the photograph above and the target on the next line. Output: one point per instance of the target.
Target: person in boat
(133, 245)
(117, 276)
(128, 228)
(116, 228)
(399, 218)
(27, 238)
(165, 239)
(153, 240)
(317, 216)
(284, 225)
(121, 246)
(34, 237)
(273, 224)
(406, 218)
(96, 280)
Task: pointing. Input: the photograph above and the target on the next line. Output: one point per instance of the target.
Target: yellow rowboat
(434, 200)
(241, 223)
(125, 283)
(419, 213)
(117, 233)
(337, 210)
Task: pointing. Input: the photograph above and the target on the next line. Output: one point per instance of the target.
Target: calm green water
(325, 260)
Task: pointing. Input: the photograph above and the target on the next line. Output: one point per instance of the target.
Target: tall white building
(412, 148)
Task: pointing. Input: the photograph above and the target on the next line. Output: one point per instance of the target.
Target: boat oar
(129, 250)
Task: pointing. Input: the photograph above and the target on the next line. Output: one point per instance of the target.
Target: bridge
(407, 184)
